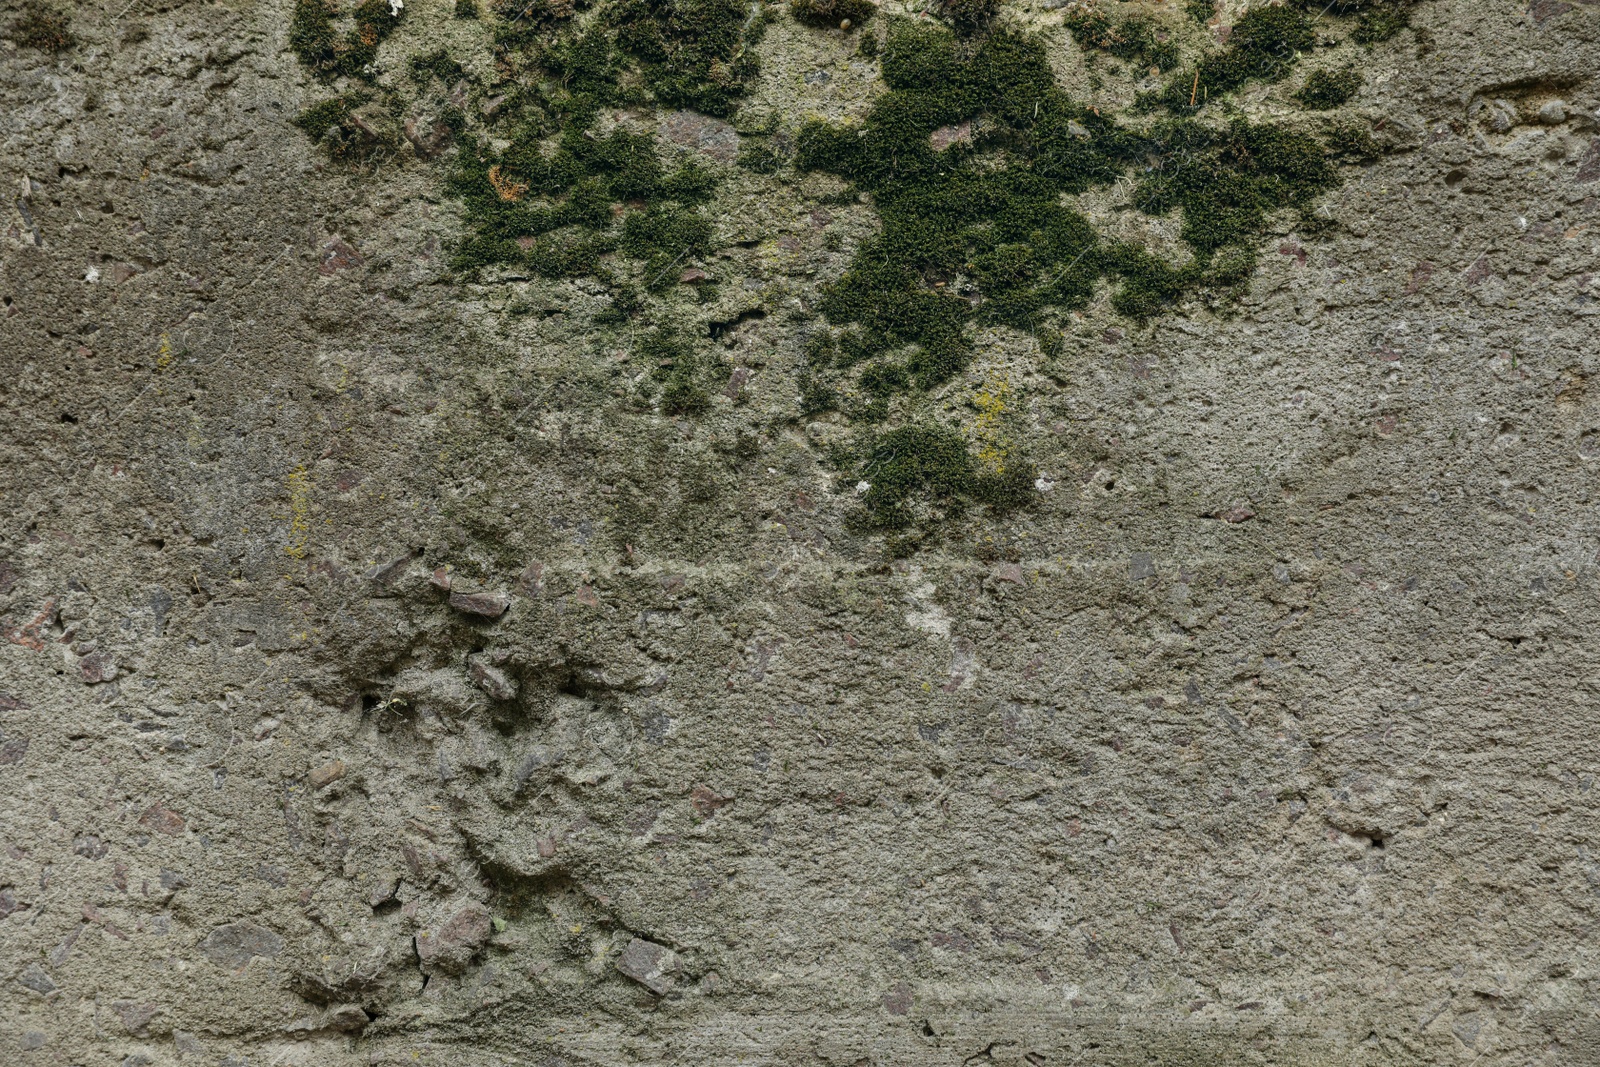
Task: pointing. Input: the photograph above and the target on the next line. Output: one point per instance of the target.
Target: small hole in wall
(1455, 178)
(69, 418)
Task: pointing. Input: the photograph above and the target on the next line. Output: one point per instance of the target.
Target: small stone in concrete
(98, 667)
(233, 945)
(35, 978)
(707, 801)
(326, 774)
(383, 890)
(451, 947)
(651, 965)
(491, 679)
(188, 1044)
(163, 820)
(346, 1018)
(135, 1014)
(488, 605)
(898, 1000)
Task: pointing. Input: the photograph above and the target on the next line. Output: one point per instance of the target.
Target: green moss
(691, 53)
(816, 396)
(1327, 89)
(922, 473)
(1262, 47)
(315, 38)
(1134, 39)
(557, 212)
(761, 156)
(664, 237)
(435, 64)
(466, 9)
(319, 119)
(978, 234)
(624, 306)
(677, 367)
(42, 27)
(913, 472)
(1376, 20)
(348, 130)
(1228, 181)
(1380, 24)
(1200, 10)
(969, 16)
(831, 13)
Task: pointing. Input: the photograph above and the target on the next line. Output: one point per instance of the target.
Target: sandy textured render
(465, 604)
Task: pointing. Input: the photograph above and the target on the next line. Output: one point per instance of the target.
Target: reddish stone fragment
(337, 255)
(162, 820)
(707, 801)
(452, 946)
(488, 605)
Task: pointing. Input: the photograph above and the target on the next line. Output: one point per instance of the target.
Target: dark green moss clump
(350, 128)
(969, 16)
(1133, 39)
(1380, 24)
(691, 53)
(676, 366)
(1200, 10)
(557, 212)
(830, 13)
(919, 474)
(761, 155)
(466, 9)
(435, 64)
(977, 233)
(328, 51)
(1327, 89)
(1232, 179)
(1351, 143)
(1262, 47)
(563, 200)
(43, 28)
(1376, 20)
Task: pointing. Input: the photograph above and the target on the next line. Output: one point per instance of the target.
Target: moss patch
(351, 128)
(1134, 39)
(42, 27)
(830, 13)
(1327, 89)
(1263, 46)
(1376, 20)
(976, 233)
(970, 157)
(333, 42)
(923, 473)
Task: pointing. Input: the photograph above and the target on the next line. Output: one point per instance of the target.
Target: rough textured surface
(388, 678)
